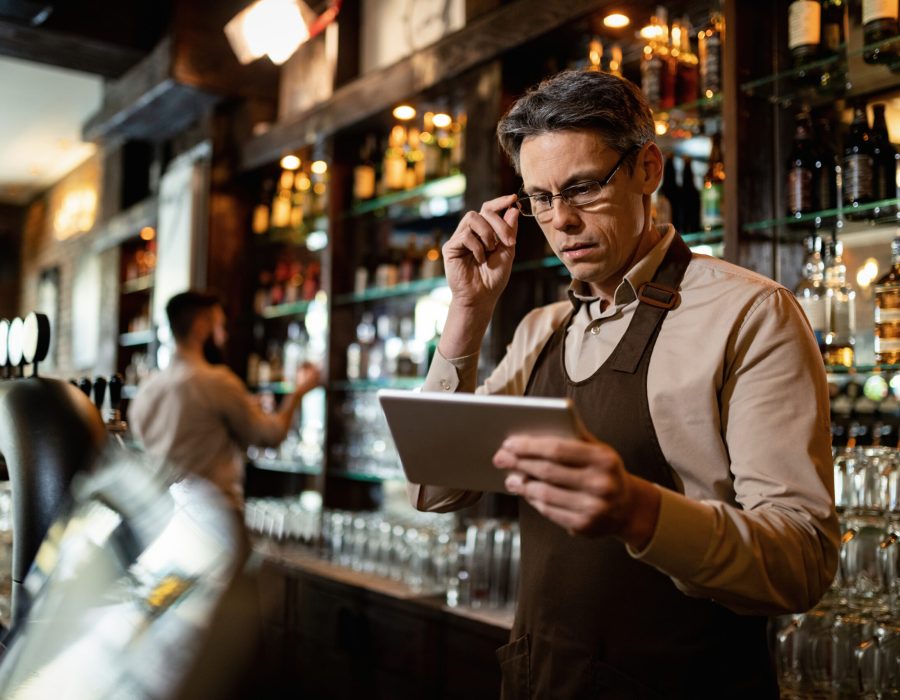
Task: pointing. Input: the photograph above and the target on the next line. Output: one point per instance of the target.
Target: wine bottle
(884, 158)
(887, 310)
(810, 292)
(825, 194)
(879, 27)
(801, 169)
(804, 31)
(669, 198)
(840, 310)
(858, 161)
(690, 200)
(713, 194)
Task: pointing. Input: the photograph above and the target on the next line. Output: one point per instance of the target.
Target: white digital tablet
(450, 439)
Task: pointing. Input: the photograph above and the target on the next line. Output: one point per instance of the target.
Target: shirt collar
(641, 272)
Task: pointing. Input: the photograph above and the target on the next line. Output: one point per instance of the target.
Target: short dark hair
(612, 107)
(183, 308)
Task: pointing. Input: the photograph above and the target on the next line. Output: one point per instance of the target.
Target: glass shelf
(446, 188)
(882, 212)
(782, 88)
(294, 308)
(375, 384)
(862, 369)
(293, 235)
(393, 475)
(286, 465)
(135, 338)
(138, 284)
(277, 388)
(399, 290)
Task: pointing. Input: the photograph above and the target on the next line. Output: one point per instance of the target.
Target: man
(701, 499)
(198, 416)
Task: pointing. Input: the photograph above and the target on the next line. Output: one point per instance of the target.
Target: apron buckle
(658, 295)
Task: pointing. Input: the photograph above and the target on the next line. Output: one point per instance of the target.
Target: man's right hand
(479, 255)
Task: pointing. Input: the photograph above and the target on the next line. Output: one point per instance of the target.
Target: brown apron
(591, 621)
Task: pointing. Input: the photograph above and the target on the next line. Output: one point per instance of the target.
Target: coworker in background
(701, 500)
(198, 416)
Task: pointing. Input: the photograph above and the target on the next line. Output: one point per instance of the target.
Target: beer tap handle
(85, 385)
(99, 393)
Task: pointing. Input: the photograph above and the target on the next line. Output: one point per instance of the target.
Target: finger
(571, 521)
(546, 494)
(511, 217)
(503, 231)
(560, 450)
(471, 242)
(485, 231)
(556, 474)
(499, 204)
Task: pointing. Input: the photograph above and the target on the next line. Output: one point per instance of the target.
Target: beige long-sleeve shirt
(738, 397)
(199, 418)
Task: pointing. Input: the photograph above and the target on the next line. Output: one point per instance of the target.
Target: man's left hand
(582, 486)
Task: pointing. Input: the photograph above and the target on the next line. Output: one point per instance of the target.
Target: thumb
(511, 216)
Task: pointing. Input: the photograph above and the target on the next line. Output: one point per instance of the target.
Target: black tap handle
(99, 392)
(85, 385)
(115, 392)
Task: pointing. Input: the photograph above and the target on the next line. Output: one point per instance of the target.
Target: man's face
(597, 242)
(219, 332)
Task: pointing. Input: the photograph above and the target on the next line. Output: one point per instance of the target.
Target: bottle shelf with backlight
(136, 346)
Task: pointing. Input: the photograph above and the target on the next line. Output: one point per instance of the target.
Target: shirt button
(445, 385)
(595, 330)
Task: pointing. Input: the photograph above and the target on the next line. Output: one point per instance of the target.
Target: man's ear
(650, 163)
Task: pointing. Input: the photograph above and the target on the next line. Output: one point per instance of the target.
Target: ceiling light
(320, 167)
(290, 162)
(275, 28)
(404, 112)
(616, 20)
(441, 120)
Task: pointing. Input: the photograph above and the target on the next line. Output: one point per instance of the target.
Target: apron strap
(655, 299)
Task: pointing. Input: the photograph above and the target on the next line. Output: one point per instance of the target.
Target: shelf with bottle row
(862, 369)
(277, 388)
(138, 284)
(295, 235)
(136, 338)
(378, 477)
(293, 308)
(288, 466)
(881, 212)
(410, 383)
(782, 88)
(441, 197)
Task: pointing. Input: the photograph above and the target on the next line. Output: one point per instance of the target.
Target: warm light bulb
(404, 112)
(616, 20)
(319, 167)
(290, 162)
(441, 120)
(662, 128)
(148, 233)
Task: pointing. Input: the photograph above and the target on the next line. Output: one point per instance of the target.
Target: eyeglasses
(580, 194)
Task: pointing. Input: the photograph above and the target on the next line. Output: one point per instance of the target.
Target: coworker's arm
(248, 422)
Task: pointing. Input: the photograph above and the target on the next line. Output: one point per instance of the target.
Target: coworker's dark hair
(600, 102)
(183, 308)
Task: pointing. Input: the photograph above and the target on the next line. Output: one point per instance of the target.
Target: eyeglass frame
(561, 194)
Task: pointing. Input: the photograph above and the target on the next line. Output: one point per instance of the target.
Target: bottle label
(885, 345)
(879, 9)
(886, 314)
(814, 308)
(711, 205)
(804, 23)
(857, 178)
(799, 190)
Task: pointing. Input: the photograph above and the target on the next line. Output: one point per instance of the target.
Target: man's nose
(565, 216)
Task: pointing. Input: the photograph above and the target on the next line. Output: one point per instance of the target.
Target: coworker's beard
(212, 352)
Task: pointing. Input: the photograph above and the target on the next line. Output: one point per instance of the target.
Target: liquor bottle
(394, 167)
(857, 169)
(884, 158)
(668, 203)
(415, 160)
(840, 310)
(432, 263)
(652, 66)
(281, 205)
(358, 351)
(261, 212)
(879, 27)
(713, 194)
(709, 46)
(801, 169)
(834, 38)
(668, 53)
(595, 54)
(410, 352)
(615, 60)
(825, 194)
(364, 174)
(687, 86)
(811, 293)
(887, 310)
(457, 143)
(690, 199)
(804, 31)
(294, 352)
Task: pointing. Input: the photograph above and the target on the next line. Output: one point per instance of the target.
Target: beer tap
(115, 424)
(85, 385)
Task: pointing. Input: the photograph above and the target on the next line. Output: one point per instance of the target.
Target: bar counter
(330, 631)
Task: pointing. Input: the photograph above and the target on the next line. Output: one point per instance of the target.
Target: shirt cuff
(682, 537)
(458, 374)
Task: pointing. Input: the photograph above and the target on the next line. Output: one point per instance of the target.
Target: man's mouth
(577, 250)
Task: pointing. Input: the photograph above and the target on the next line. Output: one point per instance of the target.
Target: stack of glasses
(476, 567)
(848, 646)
